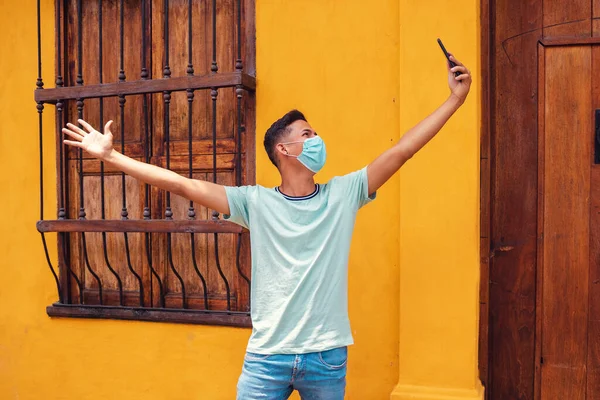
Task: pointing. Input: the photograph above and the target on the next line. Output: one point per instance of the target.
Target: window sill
(182, 316)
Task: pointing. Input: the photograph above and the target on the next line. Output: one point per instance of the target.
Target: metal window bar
(40, 109)
(147, 148)
(167, 101)
(214, 93)
(124, 212)
(122, 100)
(191, 210)
(215, 214)
(80, 105)
(239, 91)
(65, 226)
(102, 182)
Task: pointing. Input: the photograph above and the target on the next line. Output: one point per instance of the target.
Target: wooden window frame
(74, 301)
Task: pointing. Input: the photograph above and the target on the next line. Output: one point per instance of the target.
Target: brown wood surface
(567, 41)
(593, 337)
(567, 155)
(114, 89)
(201, 163)
(540, 220)
(485, 199)
(176, 226)
(567, 18)
(513, 29)
(517, 27)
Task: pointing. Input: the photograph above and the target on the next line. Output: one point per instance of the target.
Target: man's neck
(297, 184)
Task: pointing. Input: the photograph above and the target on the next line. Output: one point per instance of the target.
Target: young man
(300, 240)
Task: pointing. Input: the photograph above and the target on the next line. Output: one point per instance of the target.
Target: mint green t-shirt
(300, 246)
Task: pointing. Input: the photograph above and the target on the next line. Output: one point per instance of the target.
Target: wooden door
(540, 200)
(568, 230)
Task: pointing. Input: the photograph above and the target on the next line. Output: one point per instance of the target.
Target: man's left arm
(388, 163)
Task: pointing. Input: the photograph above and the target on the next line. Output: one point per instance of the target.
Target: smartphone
(452, 64)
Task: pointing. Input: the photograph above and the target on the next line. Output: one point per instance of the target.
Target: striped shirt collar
(299, 198)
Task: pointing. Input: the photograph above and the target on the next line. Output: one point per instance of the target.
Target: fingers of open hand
(87, 126)
(72, 143)
(74, 134)
(76, 129)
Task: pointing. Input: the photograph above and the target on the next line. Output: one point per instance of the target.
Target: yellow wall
(362, 73)
(337, 61)
(439, 209)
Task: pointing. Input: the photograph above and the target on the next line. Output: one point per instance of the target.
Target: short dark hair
(279, 129)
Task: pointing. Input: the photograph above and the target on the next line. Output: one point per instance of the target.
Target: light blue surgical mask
(313, 153)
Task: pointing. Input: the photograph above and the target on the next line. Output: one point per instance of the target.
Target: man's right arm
(205, 193)
(100, 145)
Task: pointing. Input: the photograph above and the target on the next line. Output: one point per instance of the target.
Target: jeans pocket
(255, 357)
(334, 358)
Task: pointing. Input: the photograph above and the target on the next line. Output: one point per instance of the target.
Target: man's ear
(282, 149)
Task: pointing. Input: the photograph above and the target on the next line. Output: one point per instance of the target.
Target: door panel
(566, 153)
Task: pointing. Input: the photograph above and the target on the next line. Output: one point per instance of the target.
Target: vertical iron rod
(195, 262)
(168, 211)
(102, 182)
(167, 69)
(124, 212)
(89, 268)
(121, 42)
(39, 83)
(61, 161)
(215, 214)
(64, 176)
(80, 105)
(59, 79)
(167, 99)
(80, 101)
(144, 74)
(214, 67)
(60, 296)
(190, 67)
(147, 149)
(130, 266)
(59, 107)
(79, 44)
(191, 210)
(239, 93)
(238, 175)
(239, 266)
(240, 130)
(65, 239)
(40, 109)
(238, 63)
(161, 292)
(170, 256)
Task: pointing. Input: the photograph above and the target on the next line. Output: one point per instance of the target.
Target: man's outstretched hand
(95, 143)
(459, 85)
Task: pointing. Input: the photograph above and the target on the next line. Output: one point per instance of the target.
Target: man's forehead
(299, 126)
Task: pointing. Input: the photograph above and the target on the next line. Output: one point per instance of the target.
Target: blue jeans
(316, 376)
